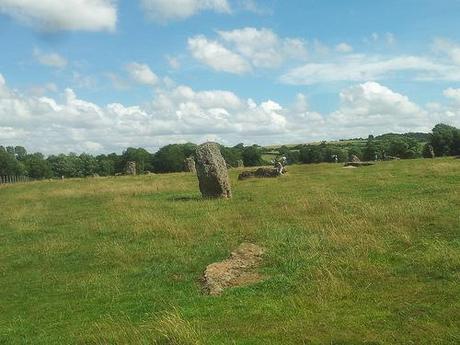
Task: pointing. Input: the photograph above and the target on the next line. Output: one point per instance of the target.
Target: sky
(99, 76)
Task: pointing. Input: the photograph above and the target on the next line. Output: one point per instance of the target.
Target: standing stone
(431, 151)
(354, 159)
(239, 163)
(130, 168)
(189, 165)
(212, 172)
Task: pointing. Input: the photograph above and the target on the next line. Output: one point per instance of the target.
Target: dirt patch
(238, 270)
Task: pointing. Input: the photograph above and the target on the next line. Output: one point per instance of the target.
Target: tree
(36, 166)
(9, 165)
(252, 156)
(141, 156)
(443, 139)
(170, 158)
(371, 151)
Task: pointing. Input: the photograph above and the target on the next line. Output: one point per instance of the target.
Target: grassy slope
(355, 256)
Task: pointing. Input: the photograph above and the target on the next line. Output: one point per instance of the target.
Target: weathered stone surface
(355, 159)
(239, 163)
(212, 172)
(130, 168)
(189, 165)
(261, 173)
(237, 270)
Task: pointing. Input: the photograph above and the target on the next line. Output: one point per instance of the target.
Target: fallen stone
(238, 270)
(358, 164)
(260, 173)
(212, 172)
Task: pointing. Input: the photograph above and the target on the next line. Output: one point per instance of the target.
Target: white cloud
(445, 46)
(363, 68)
(453, 94)
(181, 114)
(141, 74)
(57, 15)
(165, 10)
(173, 62)
(239, 51)
(343, 48)
(374, 107)
(216, 56)
(263, 47)
(254, 7)
(50, 59)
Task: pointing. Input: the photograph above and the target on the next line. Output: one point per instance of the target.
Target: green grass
(354, 256)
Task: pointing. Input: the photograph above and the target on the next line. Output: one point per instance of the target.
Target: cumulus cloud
(174, 115)
(50, 59)
(239, 51)
(141, 74)
(181, 114)
(263, 47)
(68, 15)
(165, 10)
(343, 48)
(215, 55)
(453, 94)
(362, 68)
(445, 46)
(373, 107)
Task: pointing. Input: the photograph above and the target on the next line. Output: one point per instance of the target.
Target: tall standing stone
(189, 165)
(131, 168)
(212, 172)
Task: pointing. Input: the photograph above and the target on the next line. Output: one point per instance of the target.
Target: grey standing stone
(212, 172)
(130, 168)
(239, 163)
(189, 165)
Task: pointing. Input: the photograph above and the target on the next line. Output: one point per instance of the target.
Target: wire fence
(14, 179)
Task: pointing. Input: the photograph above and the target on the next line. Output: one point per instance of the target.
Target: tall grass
(353, 256)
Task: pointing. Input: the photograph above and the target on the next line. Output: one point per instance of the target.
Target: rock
(239, 163)
(391, 158)
(355, 159)
(130, 168)
(237, 270)
(212, 172)
(189, 165)
(261, 173)
(358, 164)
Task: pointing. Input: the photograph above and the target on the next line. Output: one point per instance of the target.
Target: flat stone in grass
(260, 173)
(238, 270)
(358, 164)
(212, 172)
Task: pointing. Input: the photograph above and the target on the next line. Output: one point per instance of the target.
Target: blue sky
(100, 75)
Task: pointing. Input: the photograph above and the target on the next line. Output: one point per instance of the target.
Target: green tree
(37, 166)
(252, 156)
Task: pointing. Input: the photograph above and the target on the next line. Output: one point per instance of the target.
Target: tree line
(16, 161)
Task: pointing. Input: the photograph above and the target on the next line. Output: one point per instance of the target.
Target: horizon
(101, 76)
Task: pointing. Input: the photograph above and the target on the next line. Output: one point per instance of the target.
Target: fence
(14, 179)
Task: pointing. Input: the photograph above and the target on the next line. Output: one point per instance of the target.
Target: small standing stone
(212, 172)
(131, 168)
(239, 163)
(189, 165)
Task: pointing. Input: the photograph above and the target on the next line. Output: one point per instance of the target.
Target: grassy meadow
(353, 256)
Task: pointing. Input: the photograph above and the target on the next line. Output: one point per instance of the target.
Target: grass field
(353, 256)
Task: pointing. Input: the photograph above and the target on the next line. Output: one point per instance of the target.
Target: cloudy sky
(102, 75)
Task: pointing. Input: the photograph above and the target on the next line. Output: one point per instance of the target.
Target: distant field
(353, 256)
